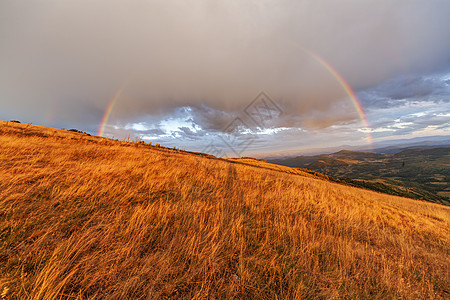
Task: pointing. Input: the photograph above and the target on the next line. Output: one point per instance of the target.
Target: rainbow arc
(108, 111)
(348, 90)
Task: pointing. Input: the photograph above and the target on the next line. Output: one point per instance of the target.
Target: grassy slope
(84, 216)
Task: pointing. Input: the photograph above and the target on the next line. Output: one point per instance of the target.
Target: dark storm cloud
(403, 90)
(409, 87)
(188, 132)
(211, 119)
(70, 57)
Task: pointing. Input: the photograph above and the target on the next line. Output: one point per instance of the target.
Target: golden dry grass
(84, 217)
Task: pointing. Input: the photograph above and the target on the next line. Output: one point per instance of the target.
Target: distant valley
(416, 172)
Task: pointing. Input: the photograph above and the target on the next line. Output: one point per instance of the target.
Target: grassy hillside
(89, 218)
(414, 173)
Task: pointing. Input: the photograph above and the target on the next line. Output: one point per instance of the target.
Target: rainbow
(108, 111)
(348, 90)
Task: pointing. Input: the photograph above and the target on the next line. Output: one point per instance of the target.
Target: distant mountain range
(420, 172)
(388, 146)
(396, 146)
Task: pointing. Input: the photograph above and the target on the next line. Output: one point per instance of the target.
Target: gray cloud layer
(66, 59)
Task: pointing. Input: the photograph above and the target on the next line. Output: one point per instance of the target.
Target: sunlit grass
(92, 218)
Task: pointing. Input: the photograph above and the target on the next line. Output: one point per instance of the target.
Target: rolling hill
(87, 217)
(419, 173)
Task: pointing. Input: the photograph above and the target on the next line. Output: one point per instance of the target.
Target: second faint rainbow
(108, 111)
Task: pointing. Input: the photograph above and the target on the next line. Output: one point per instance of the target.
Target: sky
(230, 78)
